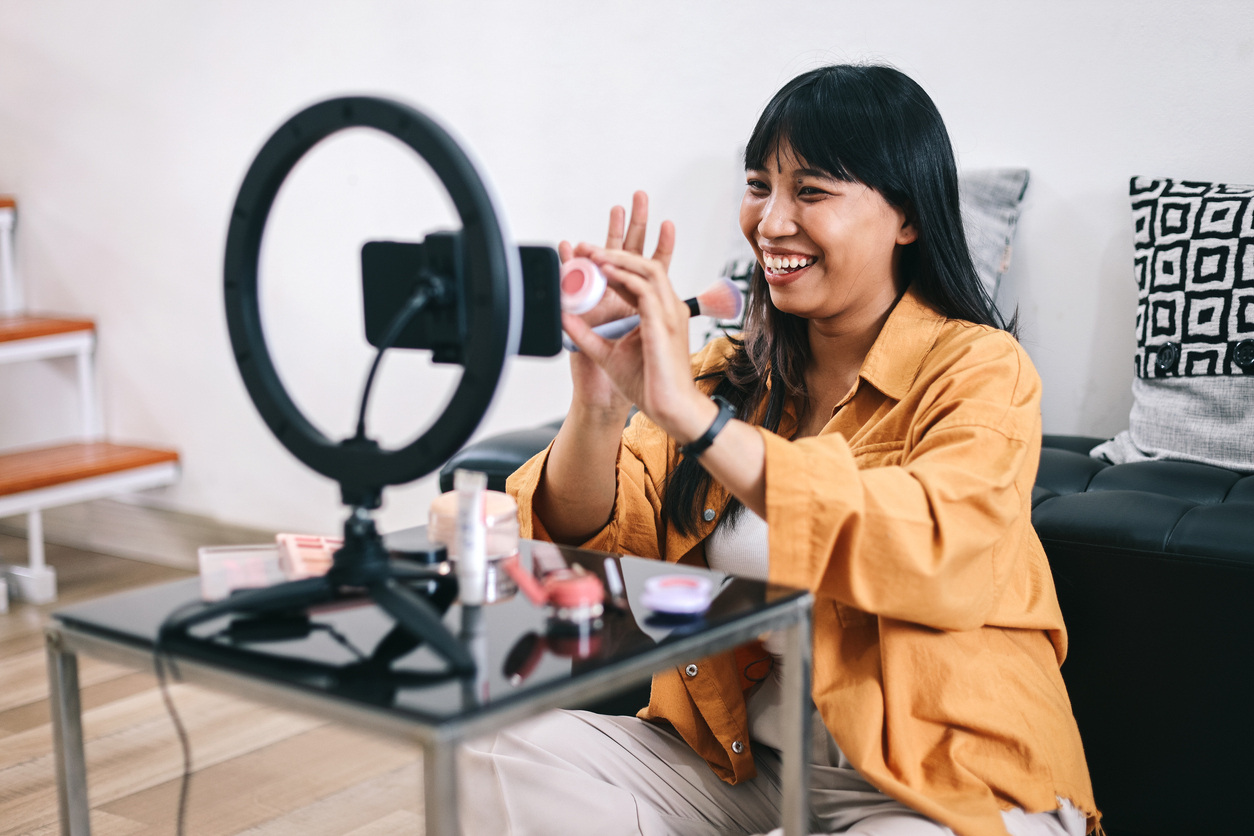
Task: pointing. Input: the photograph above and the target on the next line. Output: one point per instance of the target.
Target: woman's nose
(777, 218)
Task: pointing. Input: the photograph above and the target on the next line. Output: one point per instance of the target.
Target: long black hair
(872, 125)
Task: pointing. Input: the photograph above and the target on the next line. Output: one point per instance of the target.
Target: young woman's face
(828, 246)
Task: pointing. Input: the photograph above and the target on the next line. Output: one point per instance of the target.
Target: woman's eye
(756, 186)
(810, 191)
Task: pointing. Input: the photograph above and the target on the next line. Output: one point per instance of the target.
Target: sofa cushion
(499, 455)
(1193, 385)
(1164, 507)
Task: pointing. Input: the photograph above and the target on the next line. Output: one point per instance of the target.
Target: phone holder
(488, 283)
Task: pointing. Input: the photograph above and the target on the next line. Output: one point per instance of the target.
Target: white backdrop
(125, 128)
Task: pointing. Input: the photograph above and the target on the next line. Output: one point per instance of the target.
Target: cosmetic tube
(472, 546)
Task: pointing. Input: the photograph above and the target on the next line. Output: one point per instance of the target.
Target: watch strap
(726, 412)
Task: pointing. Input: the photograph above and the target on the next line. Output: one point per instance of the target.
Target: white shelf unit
(35, 479)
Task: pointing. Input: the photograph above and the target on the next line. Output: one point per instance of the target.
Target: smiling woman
(888, 433)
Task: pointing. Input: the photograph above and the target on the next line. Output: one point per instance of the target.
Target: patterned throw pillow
(990, 200)
(1193, 390)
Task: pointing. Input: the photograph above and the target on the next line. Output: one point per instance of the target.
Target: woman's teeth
(787, 263)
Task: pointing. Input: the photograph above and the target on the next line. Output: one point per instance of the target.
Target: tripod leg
(293, 595)
(417, 616)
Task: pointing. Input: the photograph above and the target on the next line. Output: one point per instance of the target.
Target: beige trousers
(572, 772)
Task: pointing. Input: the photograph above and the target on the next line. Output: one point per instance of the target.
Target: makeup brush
(721, 300)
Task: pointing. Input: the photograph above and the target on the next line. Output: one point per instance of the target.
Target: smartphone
(389, 274)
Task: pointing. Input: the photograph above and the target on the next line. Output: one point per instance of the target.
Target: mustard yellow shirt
(937, 632)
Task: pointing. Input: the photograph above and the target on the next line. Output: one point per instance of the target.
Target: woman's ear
(908, 232)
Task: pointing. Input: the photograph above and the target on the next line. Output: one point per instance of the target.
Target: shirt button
(738, 747)
(691, 670)
(708, 515)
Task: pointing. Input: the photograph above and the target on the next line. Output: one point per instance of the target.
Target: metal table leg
(439, 779)
(797, 711)
(67, 738)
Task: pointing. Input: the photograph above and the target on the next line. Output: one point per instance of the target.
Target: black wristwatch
(726, 412)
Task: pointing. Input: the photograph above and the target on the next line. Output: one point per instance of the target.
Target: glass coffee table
(347, 664)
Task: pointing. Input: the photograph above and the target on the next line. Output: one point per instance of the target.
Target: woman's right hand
(575, 496)
(595, 394)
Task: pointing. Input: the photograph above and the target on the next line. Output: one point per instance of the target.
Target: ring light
(485, 293)
(493, 301)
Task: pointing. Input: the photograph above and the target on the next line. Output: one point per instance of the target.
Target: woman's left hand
(650, 365)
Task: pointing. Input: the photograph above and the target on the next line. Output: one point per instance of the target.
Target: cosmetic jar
(678, 595)
(500, 520)
(583, 284)
(573, 597)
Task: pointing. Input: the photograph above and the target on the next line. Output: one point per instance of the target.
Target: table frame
(440, 739)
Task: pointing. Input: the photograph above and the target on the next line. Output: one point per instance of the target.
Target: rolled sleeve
(633, 524)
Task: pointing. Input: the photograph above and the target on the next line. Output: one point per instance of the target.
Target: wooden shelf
(44, 467)
(29, 327)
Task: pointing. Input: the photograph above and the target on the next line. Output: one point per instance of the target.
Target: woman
(883, 456)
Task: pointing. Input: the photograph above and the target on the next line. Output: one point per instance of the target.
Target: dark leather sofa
(1154, 566)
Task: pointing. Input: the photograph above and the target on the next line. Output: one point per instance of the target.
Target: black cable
(342, 640)
(430, 288)
(160, 662)
(185, 781)
(185, 744)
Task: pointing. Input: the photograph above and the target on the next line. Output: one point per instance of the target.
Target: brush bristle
(722, 300)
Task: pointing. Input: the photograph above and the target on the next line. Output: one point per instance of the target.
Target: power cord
(185, 745)
(431, 288)
(160, 660)
(165, 668)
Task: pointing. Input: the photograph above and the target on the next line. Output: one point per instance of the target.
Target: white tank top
(742, 550)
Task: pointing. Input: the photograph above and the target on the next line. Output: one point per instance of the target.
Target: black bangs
(835, 119)
(797, 119)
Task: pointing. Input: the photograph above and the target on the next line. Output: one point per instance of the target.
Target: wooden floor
(257, 771)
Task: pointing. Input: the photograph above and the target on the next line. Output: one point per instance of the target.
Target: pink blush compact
(583, 285)
(678, 595)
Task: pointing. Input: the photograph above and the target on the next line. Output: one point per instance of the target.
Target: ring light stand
(488, 288)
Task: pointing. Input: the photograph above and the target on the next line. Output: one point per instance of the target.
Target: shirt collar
(896, 356)
(893, 363)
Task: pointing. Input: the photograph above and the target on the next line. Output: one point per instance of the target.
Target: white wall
(125, 128)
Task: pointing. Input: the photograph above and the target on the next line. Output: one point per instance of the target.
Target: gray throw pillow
(989, 199)
(1193, 389)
